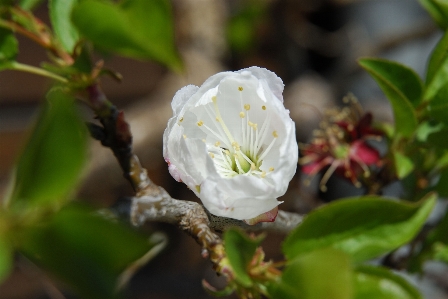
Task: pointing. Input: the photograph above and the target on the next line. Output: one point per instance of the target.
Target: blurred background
(313, 45)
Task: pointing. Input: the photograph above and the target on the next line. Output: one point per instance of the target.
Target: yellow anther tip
(240, 88)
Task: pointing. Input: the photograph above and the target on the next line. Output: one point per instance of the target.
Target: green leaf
(430, 246)
(438, 106)
(6, 258)
(54, 155)
(240, 250)
(135, 28)
(377, 282)
(29, 4)
(84, 250)
(402, 87)
(438, 11)
(438, 81)
(441, 252)
(426, 129)
(8, 46)
(364, 227)
(321, 274)
(442, 184)
(403, 165)
(65, 31)
(437, 58)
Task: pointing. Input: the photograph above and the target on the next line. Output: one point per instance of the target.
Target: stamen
(267, 150)
(217, 143)
(222, 134)
(263, 107)
(211, 155)
(263, 174)
(275, 134)
(242, 115)
(271, 169)
(181, 119)
(327, 175)
(218, 136)
(263, 134)
(218, 114)
(185, 136)
(200, 123)
(240, 88)
(247, 107)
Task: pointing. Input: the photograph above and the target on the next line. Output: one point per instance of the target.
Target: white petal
(274, 82)
(181, 97)
(223, 198)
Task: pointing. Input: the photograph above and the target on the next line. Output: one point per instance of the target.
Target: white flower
(233, 142)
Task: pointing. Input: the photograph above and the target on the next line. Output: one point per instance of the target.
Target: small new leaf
(403, 165)
(240, 250)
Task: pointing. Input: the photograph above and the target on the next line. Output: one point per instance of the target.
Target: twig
(160, 207)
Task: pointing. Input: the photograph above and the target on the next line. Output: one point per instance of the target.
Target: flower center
(242, 152)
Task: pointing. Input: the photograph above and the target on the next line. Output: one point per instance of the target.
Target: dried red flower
(340, 146)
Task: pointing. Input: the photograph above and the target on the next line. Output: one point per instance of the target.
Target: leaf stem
(14, 65)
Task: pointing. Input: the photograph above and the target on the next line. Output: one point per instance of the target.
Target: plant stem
(35, 70)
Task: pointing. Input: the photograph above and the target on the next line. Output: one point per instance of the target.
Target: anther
(185, 136)
(217, 143)
(242, 115)
(200, 123)
(247, 106)
(252, 125)
(275, 134)
(181, 119)
(211, 155)
(263, 107)
(263, 174)
(214, 99)
(271, 169)
(240, 88)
